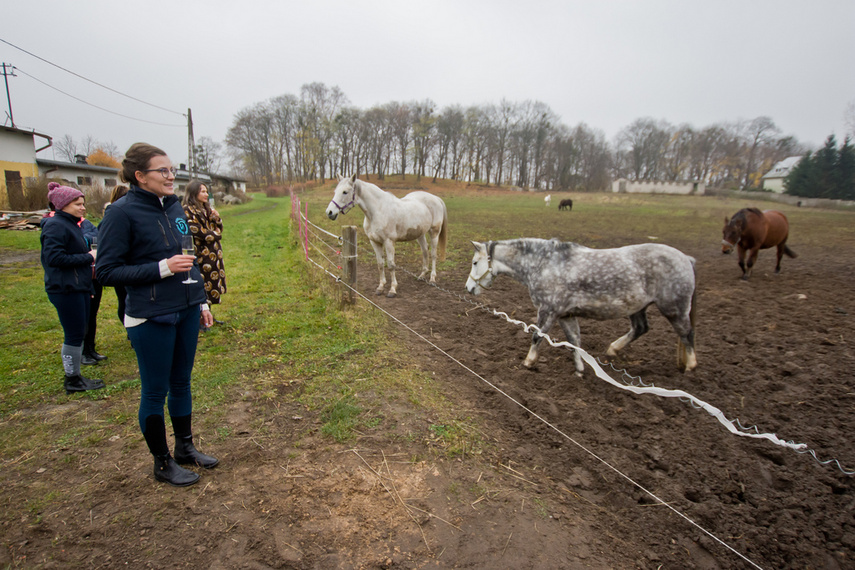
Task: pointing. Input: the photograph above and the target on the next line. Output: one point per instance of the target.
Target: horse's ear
(726, 220)
(478, 246)
(353, 178)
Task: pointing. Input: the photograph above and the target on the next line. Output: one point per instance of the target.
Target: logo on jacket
(182, 226)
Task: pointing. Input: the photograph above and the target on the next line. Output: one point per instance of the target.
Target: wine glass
(93, 245)
(187, 248)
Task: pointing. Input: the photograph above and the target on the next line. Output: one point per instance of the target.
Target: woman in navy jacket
(67, 261)
(140, 249)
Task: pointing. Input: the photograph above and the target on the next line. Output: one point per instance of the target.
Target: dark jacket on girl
(65, 255)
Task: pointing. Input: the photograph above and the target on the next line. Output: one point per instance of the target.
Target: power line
(90, 81)
(91, 104)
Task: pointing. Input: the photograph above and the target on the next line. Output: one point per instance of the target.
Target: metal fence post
(348, 238)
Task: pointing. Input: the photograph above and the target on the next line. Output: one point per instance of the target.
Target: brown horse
(752, 230)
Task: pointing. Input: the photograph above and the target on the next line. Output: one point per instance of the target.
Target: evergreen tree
(801, 181)
(826, 160)
(844, 171)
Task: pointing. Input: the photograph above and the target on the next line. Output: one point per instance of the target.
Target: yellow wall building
(17, 162)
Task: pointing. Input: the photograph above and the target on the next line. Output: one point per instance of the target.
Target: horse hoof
(391, 295)
(378, 292)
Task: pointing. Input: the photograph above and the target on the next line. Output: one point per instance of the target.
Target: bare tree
(111, 149)
(88, 145)
(207, 155)
(320, 105)
(424, 123)
(760, 131)
(400, 117)
(643, 145)
(66, 148)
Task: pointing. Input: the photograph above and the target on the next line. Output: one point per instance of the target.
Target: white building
(774, 179)
(79, 172)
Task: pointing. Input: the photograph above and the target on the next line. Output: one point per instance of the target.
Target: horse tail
(443, 234)
(692, 311)
(790, 252)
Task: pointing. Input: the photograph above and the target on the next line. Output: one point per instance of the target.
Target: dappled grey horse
(568, 280)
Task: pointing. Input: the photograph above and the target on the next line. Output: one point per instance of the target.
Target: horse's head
(731, 234)
(344, 198)
(481, 276)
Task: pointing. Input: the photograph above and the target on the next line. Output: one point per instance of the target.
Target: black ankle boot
(94, 355)
(92, 383)
(166, 470)
(187, 454)
(74, 384)
(80, 383)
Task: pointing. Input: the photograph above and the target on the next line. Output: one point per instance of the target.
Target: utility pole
(6, 75)
(191, 144)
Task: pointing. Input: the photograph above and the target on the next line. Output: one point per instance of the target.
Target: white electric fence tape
(665, 393)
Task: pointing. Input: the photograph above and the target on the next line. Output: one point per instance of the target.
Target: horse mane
(741, 215)
(534, 246)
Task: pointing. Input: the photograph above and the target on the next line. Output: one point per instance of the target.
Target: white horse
(389, 219)
(548, 200)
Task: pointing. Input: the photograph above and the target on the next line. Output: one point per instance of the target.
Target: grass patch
(284, 329)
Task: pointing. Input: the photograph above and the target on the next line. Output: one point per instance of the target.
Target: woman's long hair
(191, 196)
(119, 191)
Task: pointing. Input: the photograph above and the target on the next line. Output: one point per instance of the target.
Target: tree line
(319, 135)
(828, 173)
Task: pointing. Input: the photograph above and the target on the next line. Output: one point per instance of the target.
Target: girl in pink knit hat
(67, 260)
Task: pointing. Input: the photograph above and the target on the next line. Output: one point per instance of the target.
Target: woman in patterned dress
(207, 229)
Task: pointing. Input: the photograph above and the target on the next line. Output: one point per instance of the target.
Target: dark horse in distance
(566, 204)
(750, 230)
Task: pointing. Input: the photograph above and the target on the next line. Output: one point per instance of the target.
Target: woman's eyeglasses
(163, 171)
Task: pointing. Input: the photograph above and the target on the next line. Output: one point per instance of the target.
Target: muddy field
(775, 351)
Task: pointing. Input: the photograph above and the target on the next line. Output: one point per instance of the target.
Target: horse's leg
(423, 244)
(680, 317)
(749, 264)
(638, 326)
(434, 243)
(378, 251)
(390, 261)
(570, 326)
(741, 252)
(545, 320)
(781, 247)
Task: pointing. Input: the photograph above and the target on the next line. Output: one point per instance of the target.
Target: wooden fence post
(348, 252)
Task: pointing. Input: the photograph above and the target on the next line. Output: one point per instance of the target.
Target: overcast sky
(603, 63)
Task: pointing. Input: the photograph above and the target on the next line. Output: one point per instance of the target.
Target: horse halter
(488, 271)
(728, 244)
(347, 207)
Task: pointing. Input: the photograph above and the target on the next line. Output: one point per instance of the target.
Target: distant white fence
(624, 186)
